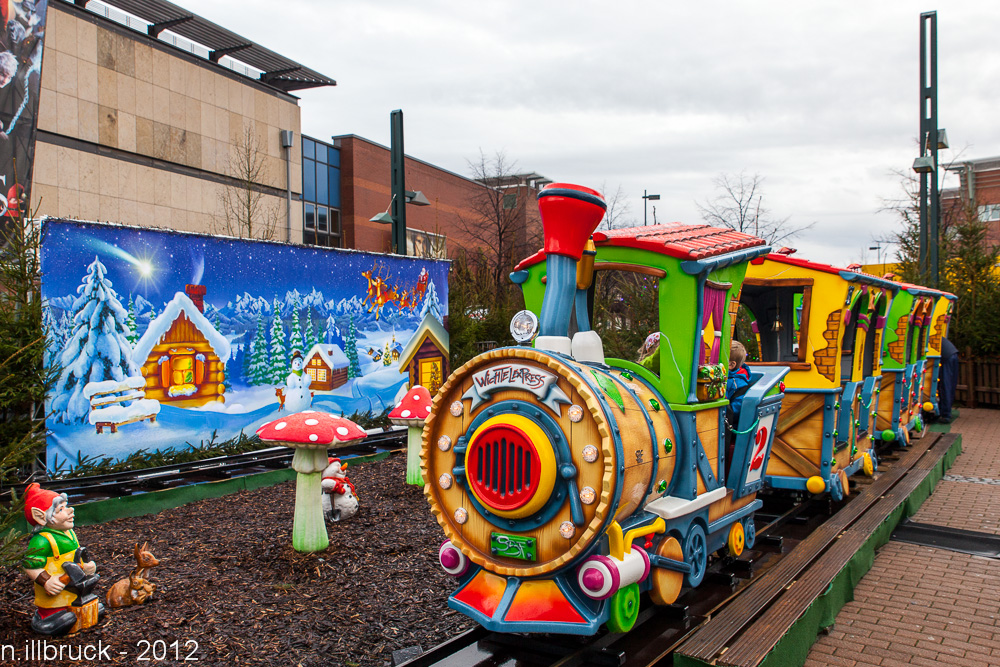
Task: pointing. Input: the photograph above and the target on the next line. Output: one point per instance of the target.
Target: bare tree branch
(619, 212)
(738, 204)
(246, 210)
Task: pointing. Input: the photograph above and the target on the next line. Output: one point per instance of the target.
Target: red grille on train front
(503, 467)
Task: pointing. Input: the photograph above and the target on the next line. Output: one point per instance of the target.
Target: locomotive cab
(569, 479)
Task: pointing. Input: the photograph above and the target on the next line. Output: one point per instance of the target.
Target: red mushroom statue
(411, 412)
(311, 434)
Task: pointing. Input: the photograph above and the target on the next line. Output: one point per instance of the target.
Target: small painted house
(183, 356)
(327, 366)
(425, 356)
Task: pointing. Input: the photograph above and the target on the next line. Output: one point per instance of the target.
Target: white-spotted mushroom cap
(414, 409)
(311, 430)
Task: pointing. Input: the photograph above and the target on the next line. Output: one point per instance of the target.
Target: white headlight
(524, 326)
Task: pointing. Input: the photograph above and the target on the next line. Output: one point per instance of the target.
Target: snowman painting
(297, 394)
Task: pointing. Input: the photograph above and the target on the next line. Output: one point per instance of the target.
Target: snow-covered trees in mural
(310, 336)
(354, 370)
(98, 349)
(432, 304)
(295, 340)
(132, 335)
(259, 369)
(279, 353)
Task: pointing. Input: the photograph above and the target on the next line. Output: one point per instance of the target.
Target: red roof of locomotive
(674, 239)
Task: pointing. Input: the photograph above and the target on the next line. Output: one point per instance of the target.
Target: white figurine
(297, 394)
(339, 499)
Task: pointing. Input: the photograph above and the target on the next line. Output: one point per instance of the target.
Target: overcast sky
(819, 98)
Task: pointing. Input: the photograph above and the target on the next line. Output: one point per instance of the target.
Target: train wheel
(737, 539)
(844, 484)
(624, 609)
(868, 467)
(696, 554)
(749, 532)
(667, 584)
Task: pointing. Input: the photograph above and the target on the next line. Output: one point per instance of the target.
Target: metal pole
(935, 213)
(398, 182)
(922, 255)
(645, 201)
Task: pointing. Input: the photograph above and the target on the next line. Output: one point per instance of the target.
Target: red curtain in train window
(713, 308)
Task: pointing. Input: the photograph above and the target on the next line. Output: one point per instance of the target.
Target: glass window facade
(321, 194)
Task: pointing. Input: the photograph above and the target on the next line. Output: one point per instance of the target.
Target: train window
(849, 345)
(748, 332)
(870, 347)
(778, 316)
(625, 310)
(712, 313)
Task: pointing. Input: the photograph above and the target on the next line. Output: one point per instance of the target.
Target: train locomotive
(567, 483)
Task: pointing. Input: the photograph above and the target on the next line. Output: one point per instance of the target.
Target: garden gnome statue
(62, 570)
(339, 498)
(297, 394)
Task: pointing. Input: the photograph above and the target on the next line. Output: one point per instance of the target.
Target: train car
(904, 352)
(568, 482)
(940, 319)
(825, 324)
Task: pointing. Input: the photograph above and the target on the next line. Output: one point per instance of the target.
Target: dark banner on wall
(166, 338)
(22, 35)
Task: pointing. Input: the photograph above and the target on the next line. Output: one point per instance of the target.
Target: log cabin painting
(425, 356)
(327, 367)
(183, 356)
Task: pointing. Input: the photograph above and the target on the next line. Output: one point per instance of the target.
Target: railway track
(116, 485)
(658, 630)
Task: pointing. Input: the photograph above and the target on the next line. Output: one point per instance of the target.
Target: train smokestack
(570, 214)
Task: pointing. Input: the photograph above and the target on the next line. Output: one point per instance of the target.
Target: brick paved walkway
(925, 606)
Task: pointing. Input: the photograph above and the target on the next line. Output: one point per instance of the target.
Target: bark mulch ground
(229, 580)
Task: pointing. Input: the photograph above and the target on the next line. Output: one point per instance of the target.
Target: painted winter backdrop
(172, 336)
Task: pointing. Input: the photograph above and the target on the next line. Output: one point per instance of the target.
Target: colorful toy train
(569, 482)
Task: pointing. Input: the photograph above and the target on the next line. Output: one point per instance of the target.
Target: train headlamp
(524, 327)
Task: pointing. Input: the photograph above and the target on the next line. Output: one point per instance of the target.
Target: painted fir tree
(387, 355)
(295, 341)
(310, 336)
(354, 367)
(432, 304)
(279, 353)
(97, 351)
(133, 335)
(259, 369)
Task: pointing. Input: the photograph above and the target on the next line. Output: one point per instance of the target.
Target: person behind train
(737, 385)
(948, 381)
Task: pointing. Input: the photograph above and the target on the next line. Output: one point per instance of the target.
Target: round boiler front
(523, 468)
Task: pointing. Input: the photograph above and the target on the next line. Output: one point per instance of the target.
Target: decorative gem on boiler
(655, 404)
(607, 385)
(444, 481)
(590, 453)
(661, 486)
(567, 529)
(781, 386)
(444, 443)
(627, 375)
(575, 413)
(588, 495)
(461, 515)
(667, 445)
(456, 409)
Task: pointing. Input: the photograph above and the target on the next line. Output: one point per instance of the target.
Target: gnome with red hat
(62, 570)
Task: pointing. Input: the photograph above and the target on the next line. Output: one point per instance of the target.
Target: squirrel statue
(135, 589)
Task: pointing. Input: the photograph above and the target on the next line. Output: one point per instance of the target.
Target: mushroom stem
(309, 530)
(413, 441)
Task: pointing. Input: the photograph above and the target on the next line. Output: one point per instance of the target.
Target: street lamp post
(396, 213)
(645, 198)
(878, 255)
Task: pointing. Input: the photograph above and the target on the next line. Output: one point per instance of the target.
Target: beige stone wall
(162, 111)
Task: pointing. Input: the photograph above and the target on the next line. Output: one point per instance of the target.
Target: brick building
(980, 185)
(455, 202)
